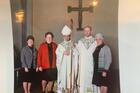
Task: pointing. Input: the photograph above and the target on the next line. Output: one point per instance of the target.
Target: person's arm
(35, 59)
(94, 45)
(107, 60)
(23, 61)
(39, 58)
(75, 49)
(108, 57)
(59, 56)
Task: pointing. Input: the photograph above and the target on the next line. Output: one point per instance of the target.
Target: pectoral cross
(80, 10)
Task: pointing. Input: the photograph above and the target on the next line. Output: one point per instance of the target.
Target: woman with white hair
(102, 60)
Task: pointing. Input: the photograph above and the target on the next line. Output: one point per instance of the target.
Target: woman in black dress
(28, 61)
(102, 60)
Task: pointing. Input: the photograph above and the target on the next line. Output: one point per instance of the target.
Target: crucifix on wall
(80, 11)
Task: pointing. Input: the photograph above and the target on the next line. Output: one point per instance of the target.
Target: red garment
(43, 56)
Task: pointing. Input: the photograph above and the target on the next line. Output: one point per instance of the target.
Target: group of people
(78, 68)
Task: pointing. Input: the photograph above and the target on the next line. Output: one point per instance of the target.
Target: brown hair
(30, 37)
(49, 33)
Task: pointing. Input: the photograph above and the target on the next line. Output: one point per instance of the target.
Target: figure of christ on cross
(80, 10)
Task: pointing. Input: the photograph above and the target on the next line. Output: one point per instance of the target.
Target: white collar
(88, 37)
(67, 41)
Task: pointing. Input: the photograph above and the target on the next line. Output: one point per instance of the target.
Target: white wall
(6, 48)
(49, 17)
(129, 45)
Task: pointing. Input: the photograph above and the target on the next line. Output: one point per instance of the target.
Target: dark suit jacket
(28, 57)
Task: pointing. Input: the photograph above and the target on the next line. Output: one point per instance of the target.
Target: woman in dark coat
(102, 60)
(28, 61)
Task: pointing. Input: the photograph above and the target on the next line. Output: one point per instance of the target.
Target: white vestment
(66, 65)
(86, 48)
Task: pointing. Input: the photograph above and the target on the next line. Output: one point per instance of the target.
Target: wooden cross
(80, 10)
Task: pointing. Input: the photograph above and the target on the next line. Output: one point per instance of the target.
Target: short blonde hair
(87, 26)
